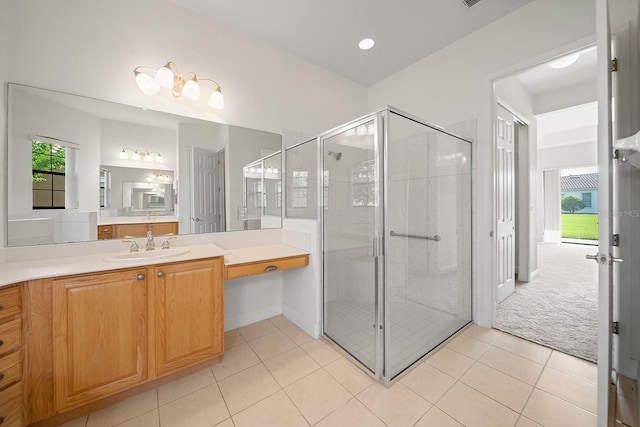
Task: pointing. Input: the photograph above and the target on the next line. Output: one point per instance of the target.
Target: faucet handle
(167, 237)
(134, 246)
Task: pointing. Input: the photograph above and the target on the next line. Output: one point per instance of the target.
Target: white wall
(4, 77)
(552, 220)
(453, 85)
(91, 49)
(35, 115)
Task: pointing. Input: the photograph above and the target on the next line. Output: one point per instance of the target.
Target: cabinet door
(99, 335)
(189, 326)
(162, 228)
(134, 230)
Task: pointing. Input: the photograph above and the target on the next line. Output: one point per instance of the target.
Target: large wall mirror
(77, 165)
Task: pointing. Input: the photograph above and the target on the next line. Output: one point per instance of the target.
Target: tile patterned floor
(273, 374)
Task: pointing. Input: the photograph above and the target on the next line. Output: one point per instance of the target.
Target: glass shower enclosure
(396, 235)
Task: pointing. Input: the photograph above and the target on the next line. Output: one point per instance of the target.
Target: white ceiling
(543, 79)
(327, 32)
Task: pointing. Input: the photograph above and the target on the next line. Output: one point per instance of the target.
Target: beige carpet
(559, 308)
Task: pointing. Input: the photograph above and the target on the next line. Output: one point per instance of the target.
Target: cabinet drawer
(11, 407)
(253, 268)
(9, 369)
(9, 302)
(105, 232)
(10, 335)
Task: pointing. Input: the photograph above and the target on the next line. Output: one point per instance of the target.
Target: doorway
(553, 300)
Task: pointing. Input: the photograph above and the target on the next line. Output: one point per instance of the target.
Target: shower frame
(380, 118)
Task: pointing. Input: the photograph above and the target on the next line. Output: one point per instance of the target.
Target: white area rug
(559, 309)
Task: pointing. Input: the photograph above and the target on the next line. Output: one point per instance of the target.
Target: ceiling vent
(470, 3)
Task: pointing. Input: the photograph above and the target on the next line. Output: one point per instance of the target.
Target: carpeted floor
(559, 308)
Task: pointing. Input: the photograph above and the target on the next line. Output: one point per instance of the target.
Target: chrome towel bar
(435, 238)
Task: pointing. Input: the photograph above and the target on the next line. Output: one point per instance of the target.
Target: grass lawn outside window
(580, 226)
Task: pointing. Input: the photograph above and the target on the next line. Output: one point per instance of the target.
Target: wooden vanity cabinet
(99, 335)
(93, 336)
(140, 229)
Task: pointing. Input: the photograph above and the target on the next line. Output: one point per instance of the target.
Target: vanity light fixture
(147, 156)
(150, 81)
(158, 177)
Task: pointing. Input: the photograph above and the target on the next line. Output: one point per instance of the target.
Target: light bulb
(191, 90)
(164, 76)
(123, 154)
(275, 170)
(149, 178)
(147, 157)
(136, 156)
(159, 159)
(147, 84)
(216, 99)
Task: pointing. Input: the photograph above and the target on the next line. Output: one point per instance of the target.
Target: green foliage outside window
(46, 158)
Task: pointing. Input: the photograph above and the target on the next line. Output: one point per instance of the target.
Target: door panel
(505, 177)
(349, 231)
(605, 207)
(206, 211)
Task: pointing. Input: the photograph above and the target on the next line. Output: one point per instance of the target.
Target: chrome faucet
(150, 244)
(134, 246)
(167, 237)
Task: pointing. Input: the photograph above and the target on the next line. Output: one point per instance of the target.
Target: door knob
(593, 257)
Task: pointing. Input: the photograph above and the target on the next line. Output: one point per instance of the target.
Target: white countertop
(15, 272)
(108, 220)
(261, 253)
(20, 271)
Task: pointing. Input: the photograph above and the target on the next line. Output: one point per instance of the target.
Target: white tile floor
(273, 374)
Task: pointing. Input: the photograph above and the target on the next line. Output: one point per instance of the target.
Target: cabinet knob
(160, 274)
(1, 420)
(1, 343)
(271, 268)
(140, 276)
(1, 376)
(1, 307)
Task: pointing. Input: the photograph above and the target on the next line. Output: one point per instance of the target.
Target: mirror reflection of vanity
(179, 170)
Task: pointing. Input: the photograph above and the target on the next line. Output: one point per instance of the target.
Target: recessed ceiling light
(366, 44)
(565, 61)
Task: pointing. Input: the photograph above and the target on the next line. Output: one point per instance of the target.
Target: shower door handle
(377, 246)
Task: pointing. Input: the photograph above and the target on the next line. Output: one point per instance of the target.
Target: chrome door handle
(602, 259)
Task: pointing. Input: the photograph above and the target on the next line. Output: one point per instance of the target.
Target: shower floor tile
(415, 330)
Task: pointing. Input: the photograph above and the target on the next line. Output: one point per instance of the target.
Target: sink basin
(145, 255)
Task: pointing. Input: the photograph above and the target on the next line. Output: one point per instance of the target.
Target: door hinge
(615, 327)
(614, 65)
(616, 240)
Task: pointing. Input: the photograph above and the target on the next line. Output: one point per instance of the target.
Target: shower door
(351, 220)
(427, 240)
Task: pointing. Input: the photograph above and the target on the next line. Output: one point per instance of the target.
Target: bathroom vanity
(80, 333)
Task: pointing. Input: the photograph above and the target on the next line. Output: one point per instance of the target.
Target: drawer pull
(1, 420)
(1, 376)
(140, 276)
(1, 307)
(271, 268)
(1, 343)
(160, 273)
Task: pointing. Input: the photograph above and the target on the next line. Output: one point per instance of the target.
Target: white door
(205, 209)
(605, 207)
(505, 177)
